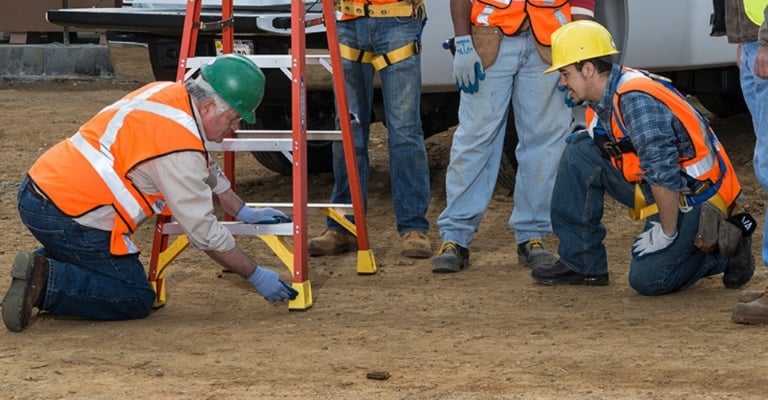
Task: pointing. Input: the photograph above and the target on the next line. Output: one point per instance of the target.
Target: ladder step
(288, 134)
(265, 61)
(238, 144)
(240, 228)
(288, 207)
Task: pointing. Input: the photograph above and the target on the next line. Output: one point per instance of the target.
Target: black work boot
(742, 265)
(27, 291)
(561, 274)
(450, 258)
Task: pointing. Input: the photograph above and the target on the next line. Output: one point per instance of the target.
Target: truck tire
(723, 105)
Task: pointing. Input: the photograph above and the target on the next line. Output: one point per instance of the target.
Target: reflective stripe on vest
(513, 16)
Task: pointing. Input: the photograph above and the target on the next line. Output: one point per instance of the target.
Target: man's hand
(761, 62)
(653, 240)
(261, 216)
(269, 284)
(467, 67)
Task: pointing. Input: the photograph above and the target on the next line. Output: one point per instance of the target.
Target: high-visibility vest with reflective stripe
(89, 170)
(710, 159)
(545, 16)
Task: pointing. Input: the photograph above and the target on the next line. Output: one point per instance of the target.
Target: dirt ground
(488, 332)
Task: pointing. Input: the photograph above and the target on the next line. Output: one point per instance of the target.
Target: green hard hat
(238, 81)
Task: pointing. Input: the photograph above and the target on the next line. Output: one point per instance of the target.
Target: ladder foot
(304, 300)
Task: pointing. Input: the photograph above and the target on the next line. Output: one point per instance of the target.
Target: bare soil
(488, 332)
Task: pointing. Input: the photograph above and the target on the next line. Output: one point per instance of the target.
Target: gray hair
(201, 90)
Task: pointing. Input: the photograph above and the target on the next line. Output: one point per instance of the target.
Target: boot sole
(14, 315)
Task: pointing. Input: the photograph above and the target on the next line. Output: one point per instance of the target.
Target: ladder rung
(248, 144)
(345, 208)
(264, 61)
(288, 134)
(239, 228)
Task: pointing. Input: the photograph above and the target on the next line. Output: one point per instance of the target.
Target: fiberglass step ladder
(295, 256)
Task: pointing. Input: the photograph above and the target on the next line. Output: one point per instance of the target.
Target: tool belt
(718, 231)
(380, 61)
(398, 9)
(486, 40)
(643, 211)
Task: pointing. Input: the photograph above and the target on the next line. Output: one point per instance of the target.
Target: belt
(34, 191)
(642, 211)
(399, 9)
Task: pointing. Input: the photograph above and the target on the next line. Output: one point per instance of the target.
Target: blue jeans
(583, 178)
(401, 92)
(85, 279)
(755, 94)
(542, 120)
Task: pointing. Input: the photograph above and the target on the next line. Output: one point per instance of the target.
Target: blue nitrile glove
(264, 215)
(269, 284)
(467, 67)
(652, 240)
(568, 99)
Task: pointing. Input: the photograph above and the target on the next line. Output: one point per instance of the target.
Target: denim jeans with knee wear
(584, 177)
(401, 94)
(85, 279)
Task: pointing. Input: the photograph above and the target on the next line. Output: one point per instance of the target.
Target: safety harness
(389, 10)
(700, 191)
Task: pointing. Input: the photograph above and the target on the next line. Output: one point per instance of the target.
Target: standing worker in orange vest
(651, 150)
(383, 36)
(143, 155)
(502, 47)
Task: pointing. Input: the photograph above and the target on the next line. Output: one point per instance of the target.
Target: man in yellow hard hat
(647, 147)
(143, 155)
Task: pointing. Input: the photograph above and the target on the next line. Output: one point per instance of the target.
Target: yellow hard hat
(578, 41)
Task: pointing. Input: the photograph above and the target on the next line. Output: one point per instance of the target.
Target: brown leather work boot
(332, 242)
(27, 291)
(416, 245)
(753, 312)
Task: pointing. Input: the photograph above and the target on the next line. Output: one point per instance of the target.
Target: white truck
(670, 38)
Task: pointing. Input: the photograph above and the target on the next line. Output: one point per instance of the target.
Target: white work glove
(467, 67)
(264, 215)
(652, 240)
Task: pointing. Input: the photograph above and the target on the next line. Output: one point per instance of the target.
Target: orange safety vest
(90, 169)
(545, 16)
(710, 167)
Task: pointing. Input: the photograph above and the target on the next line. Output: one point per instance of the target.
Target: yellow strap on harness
(380, 62)
(398, 9)
(643, 211)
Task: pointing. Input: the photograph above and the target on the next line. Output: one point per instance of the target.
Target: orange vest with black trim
(545, 16)
(710, 163)
(90, 169)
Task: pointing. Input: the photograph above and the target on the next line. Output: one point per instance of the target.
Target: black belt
(34, 191)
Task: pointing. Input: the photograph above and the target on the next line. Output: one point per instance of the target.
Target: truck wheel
(723, 105)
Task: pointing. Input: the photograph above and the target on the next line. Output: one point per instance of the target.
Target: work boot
(753, 312)
(532, 254)
(747, 296)
(29, 280)
(416, 245)
(332, 242)
(562, 274)
(742, 265)
(450, 258)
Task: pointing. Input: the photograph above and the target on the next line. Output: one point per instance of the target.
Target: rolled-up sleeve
(183, 179)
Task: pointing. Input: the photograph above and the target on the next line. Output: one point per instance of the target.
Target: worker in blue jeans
(387, 40)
